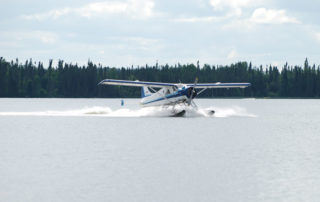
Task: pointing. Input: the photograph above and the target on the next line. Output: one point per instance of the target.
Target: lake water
(74, 150)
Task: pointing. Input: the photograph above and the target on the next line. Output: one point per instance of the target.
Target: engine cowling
(192, 92)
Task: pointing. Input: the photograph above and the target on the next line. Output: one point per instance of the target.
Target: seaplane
(171, 94)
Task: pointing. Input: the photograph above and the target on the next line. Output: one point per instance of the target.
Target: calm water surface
(94, 150)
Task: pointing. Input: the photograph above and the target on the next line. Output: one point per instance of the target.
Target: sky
(139, 32)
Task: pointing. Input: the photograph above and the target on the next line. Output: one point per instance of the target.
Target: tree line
(30, 79)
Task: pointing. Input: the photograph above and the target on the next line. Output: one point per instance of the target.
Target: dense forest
(30, 79)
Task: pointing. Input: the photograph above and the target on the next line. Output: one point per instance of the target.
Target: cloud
(223, 4)
(200, 19)
(54, 14)
(230, 8)
(228, 15)
(259, 15)
(137, 43)
(48, 38)
(100, 8)
(139, 9)
(317, 36)
(233, 54)
(271, 16)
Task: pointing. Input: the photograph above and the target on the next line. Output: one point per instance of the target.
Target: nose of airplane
(191, 92)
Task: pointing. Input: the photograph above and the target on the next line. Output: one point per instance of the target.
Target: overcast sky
(139, 32)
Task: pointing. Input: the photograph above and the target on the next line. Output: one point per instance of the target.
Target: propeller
(192, 92)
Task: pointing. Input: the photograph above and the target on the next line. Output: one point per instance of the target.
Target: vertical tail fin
(145, 92)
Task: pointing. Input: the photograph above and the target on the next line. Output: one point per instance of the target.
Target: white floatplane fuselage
(165, 96)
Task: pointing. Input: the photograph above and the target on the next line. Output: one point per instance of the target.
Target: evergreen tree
(70, 80)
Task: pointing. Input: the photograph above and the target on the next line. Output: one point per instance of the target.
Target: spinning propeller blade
(193, 91)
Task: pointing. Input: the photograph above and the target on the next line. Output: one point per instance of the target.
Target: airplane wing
(161, 85)
(220, 85)
(135, 83)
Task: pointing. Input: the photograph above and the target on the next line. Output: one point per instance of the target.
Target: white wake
(142, 112)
